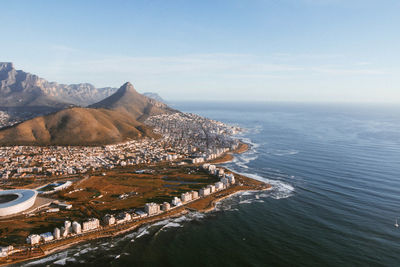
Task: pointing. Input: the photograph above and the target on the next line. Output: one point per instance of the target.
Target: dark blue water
(335, 171)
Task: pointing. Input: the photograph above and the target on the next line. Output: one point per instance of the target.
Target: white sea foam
(166, 224)
(61, 262)
(247, 201)
(279, 188)
(244, 159)
(253, 145)
(171, 225)
(84, 251)
(282, 152)
(145, 232)
(51, 258)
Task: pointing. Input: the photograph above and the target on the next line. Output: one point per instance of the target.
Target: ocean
(335, 171)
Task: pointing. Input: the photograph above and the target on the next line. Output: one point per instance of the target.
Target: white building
(204, 192)
(212, 188)
(225, 182)
(45, 237)
(5, 251)
(68, 227)
(123, 217)
(76, 228)
(141, 214)
(231, 178)
(91, 224)
(176, 201)
(206, 166)
(33, 239)
(109, 219)
(63, 231)
(152, 208)
(197, 160)
(57, 233)
(195, 194)
(185, 197)
(220, 172)
(212, 169)
(165, 206)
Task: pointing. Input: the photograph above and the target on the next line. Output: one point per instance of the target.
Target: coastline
(203, 205)
(229, 156)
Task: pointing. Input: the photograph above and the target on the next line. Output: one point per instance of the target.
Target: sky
(222, 50)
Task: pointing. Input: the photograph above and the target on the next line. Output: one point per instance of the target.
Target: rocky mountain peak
(6, 66)
(127, 87)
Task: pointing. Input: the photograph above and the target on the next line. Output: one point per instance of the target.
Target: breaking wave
(282, 152)
(59, 257)
(279, 189)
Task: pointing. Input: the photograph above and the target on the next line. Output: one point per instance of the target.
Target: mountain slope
(127, 100)
(76, 126)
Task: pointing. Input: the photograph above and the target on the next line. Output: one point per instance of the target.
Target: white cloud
(219, 75)
(344, 71)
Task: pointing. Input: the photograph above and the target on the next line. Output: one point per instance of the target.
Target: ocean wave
(282, 152)
(171, 225)
(51, 258)
(244, 159)
(142, 233)
(167, 224)
(279, 189)
(247, 201)
(250, 142)
(61, 261)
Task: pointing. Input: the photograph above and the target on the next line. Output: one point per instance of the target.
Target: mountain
(128, 101)
(76, 126)
(116, 118)
(82, 94)
(154, 96)
(21, 89)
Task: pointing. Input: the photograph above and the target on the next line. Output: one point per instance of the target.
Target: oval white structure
(15, 201)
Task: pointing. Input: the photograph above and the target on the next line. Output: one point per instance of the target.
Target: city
(183, 136)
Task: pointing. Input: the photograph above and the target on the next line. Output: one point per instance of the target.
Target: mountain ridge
(20, 88)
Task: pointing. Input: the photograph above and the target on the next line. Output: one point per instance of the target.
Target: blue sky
(266, 50)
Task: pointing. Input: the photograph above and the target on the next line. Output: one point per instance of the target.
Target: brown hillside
(76, 126)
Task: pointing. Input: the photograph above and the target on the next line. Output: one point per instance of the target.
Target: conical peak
(127, 87)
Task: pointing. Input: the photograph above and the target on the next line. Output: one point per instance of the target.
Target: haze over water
(336, 194)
